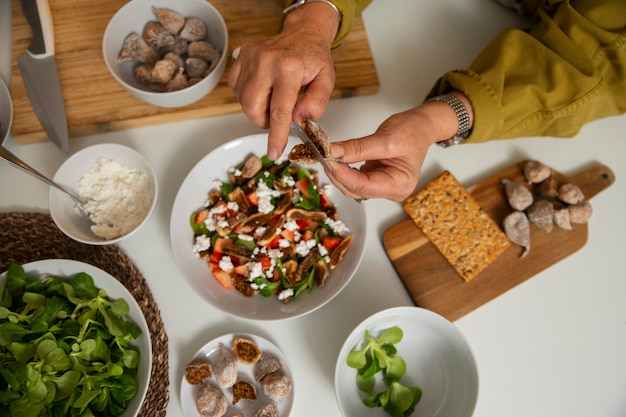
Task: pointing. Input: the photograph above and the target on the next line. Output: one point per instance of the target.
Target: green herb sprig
(380, 356)
(64, 348)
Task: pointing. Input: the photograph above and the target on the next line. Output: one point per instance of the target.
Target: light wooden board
(96, 103)
(435, 285)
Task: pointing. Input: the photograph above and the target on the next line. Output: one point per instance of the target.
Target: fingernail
(273, 154)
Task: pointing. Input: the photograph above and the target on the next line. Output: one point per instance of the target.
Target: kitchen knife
(310, 146)
(40, 73)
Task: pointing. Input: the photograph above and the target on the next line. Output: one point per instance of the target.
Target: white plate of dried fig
(237, 374)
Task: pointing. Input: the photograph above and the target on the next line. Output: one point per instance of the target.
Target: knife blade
(310, 146)
(40, 74)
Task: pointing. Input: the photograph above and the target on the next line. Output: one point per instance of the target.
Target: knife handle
(39, 18)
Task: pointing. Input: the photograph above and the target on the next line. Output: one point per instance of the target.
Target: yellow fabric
(349, 9)
(567, 70)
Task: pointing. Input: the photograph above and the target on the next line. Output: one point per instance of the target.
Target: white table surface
(552, 346)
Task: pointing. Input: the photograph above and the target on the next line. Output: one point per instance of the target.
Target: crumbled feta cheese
(338, 226)
(260, 230)
(233, 206)
(209, 222)
(283, 243)
(201, 244)
(242, 236)
(304, 247)
(284, 294)
(291, 225)
(323, 250)
(256, 270)
(265, 195)
(223, 223)
(226, 264)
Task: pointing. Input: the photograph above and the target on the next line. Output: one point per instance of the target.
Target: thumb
(362, 149)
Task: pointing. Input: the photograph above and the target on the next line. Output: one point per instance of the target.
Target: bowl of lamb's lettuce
(73, 342)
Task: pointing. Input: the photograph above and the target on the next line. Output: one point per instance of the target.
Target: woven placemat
(29, 237)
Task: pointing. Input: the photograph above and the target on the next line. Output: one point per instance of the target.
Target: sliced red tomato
(219, 244)
(308, 235)
(303, 224)
(331, 242)
(324, 201)
(274, 243)
(287, 234)
(201, 216)
(303, 186)
(253, 199)
(222, 277)
(265, 262)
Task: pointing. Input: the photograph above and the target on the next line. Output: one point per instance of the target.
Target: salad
(271, 230)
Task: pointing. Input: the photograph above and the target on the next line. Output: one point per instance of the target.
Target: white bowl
(132, 17)
(68, 175)
(62, 268)
(438, 360)
(192, 195)
(6, 112)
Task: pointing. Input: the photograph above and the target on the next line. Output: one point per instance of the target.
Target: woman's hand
(269, 75)
(394, 154)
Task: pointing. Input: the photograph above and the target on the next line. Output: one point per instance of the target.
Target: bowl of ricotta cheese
(117, 187)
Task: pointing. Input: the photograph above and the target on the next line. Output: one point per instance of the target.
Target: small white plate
(62, 268)
(193, 194)
(438, 359)
(210, 351)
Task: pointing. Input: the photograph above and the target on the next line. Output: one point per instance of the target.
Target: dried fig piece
(156, 35)
(265, 366)
(246, 350)
(580, 213)
(571, 194)
(178, 82)
(541, 214)
(243, 390)
(536, 172)
(210, 401)
(195, 67)
(548, 187)
(203, 50)
(163, 71)
(194, 29)
(561, 218)
(136, 49)
(519, 197)
(225, 371)
(277, 386)
(198, 371)
(517, 228)
(171, 20)
(175, 58)
(267, 410)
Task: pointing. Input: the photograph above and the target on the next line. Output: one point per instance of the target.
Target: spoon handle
(12, 159)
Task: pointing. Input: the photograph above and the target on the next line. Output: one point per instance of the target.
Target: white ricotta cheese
(116, 197)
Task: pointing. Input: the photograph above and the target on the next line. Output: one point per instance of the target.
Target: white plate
(62, 268)
(210, 351)
(193, 194)
(438, 359)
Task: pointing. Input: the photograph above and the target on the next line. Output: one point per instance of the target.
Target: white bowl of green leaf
(406, 361)
(71, 338)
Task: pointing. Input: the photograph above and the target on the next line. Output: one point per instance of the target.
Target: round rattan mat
(29, 237)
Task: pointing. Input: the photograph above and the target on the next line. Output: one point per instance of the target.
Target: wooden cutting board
(96, 103)
(435, 285)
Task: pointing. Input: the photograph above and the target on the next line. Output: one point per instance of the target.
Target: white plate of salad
(110, 363)
(205, 273)
(439, 377)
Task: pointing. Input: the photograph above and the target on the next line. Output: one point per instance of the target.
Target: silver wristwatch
(462, 116)
(299, 3)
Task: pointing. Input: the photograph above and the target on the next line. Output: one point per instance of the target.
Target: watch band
(299, 3)
(462, 116)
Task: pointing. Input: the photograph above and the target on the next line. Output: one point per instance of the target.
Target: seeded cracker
(454, 222)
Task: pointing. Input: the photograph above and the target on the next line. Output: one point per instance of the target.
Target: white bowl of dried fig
(168, 53)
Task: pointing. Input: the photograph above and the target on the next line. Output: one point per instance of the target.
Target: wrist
(453, 117)
(321, 17)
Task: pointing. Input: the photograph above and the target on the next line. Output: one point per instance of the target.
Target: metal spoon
(12, 159)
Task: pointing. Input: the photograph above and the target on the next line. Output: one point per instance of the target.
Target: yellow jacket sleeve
(349, 10)
(567, 70)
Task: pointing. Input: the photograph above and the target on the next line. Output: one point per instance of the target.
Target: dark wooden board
(96, 103)
(435, 285)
